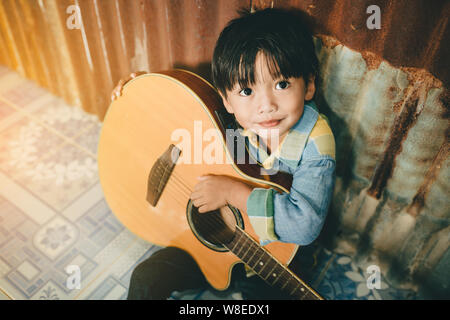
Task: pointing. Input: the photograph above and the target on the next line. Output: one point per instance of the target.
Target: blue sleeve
(299, 216)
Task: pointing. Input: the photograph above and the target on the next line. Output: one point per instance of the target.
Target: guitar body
(155, 111)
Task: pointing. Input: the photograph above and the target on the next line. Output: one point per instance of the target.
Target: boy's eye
(282, 85)
(245, 92)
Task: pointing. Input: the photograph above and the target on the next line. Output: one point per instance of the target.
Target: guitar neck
(268, 268)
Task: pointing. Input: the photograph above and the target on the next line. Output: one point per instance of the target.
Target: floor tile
(24, 144)
(67, 120)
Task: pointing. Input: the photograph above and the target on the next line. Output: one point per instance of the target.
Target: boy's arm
(239, 194)
(296, 217)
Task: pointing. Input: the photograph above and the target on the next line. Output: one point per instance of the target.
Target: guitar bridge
(160, 173)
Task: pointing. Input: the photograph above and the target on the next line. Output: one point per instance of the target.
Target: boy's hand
(211, 192)
(216, 191)
(117, 91)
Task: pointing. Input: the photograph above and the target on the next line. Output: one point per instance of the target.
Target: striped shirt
(308, 153)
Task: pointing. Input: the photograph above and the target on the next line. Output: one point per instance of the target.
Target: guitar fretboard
(268, 268)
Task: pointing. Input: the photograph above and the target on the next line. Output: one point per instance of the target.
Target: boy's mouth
(270, 123)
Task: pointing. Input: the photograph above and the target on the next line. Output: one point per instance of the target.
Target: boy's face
(270, 107)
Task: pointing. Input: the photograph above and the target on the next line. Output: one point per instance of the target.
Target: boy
(264, 68)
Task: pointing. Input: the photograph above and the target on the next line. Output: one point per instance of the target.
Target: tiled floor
(53, 214)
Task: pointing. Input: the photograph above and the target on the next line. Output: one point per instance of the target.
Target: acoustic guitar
(151, 151)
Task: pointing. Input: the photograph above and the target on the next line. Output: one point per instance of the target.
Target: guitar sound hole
(214, 228)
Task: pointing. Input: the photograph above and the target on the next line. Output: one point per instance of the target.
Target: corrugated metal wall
(385, 92)
(115, 38)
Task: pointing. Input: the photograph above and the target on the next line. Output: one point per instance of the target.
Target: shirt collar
(290, 150)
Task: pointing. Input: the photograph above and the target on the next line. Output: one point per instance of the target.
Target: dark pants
(172, 269)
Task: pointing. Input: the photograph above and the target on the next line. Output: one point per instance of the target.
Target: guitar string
(174, 193)
(179, 188)
(180, 180)
(185, 191)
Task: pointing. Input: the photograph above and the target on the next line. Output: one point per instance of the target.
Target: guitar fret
(240, 249)
(234, 247)
(305, 294)
(292, 286)
(286, 279)
(278, 276)
(267, 276)
(302, 293)
(258, 259)
(285, 284)
(270, 272)
(266, 263)
(247, 251)
(309, 296)
(253, 266)
(241, 243)
(250, 243)
(254, 252)
(295, 289)
(263, 266)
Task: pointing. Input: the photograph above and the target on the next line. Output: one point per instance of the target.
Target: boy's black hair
(280, 35)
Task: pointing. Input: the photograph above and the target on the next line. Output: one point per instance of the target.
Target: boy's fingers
(198, 203)
(197, 187)
(114, 95)
(117, 91)
(195, 195)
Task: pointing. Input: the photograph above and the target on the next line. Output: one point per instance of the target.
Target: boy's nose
(267, 104)
(266, 108)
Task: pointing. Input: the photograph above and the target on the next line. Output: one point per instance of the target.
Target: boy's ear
(310, 88)
(226, 103)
